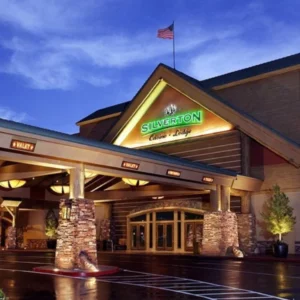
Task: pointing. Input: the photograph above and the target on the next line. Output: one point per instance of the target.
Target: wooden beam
(129, 194)
(150, 178)
(22, 171)
(35, 160)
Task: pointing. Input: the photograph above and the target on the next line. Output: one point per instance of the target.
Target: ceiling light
(135, 182)
(60, 189)
(87, 174)
(12, 184)
(158, 197)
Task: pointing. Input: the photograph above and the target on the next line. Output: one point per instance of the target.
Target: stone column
(247, 225)
(77, 233)
(220, 231)
(247, 232)
(225, 198)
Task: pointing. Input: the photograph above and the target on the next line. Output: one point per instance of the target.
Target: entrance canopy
(45, 152)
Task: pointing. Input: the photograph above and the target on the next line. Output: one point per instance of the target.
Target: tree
(2, 295)
(51, 224)
(278, 216)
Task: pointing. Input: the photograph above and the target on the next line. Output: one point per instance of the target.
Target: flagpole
(174, 45)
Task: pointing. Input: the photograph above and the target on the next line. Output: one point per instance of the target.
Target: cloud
(60, 63)
(44, 17)
(59, 50)
(275, 40)
(8, 114)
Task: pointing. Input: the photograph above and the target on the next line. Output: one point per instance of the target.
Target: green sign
(177, 120)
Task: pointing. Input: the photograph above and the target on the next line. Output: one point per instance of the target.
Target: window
(165, 216)
(138, 218)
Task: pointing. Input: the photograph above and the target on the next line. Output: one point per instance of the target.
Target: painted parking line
(208, 268)
(197, 290)
(191, 287)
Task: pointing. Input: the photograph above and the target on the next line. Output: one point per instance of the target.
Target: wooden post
(175, 231)
(154, 231)
(147, 240)
(246, 203)
(225, 191)
(77, 182)
(245, 144)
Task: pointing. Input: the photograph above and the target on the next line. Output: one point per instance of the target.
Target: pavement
(152, 276)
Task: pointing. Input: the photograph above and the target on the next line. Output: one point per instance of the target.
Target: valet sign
(172, 120)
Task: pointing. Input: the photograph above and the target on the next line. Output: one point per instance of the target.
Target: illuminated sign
(22, 145)
(173, 173)
(207, 179)
(130, 165)
(173, 121)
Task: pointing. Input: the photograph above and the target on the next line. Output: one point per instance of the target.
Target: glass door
(138, 237)
(165, 236)
(193, 235)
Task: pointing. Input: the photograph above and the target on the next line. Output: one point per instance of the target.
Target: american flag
(166, 33)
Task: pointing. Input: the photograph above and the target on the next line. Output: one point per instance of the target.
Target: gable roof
(104, 112)
(254, 71)
(194, 89)
(268, 68)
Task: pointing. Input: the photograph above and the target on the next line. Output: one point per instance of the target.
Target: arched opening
(178, 229)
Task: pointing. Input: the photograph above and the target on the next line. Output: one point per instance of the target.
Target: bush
(51, 224)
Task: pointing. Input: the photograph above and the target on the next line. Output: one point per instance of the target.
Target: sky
(61, 60)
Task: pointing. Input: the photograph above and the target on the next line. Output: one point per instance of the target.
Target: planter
(280, 249)
(51, 244)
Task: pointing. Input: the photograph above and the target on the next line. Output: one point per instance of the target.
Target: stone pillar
(247, 232)
(220, 231)
(246, 203)
(11, 238)
(225, 198)
(76, 235)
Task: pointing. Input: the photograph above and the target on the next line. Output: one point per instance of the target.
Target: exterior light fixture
(135, 182)
(87, 174)
(12, 184)
(60, 189)
(174, 173)
(66, 210)
(207, 179)
(158, 197)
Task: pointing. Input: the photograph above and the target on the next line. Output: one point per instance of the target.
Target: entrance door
(193, 235)
(138, 237)
(165, 236)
